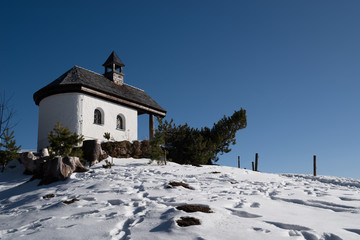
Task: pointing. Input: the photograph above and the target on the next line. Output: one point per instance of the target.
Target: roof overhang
(45, 92)
(137, 106)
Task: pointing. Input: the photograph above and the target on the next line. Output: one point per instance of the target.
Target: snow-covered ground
(131, 201)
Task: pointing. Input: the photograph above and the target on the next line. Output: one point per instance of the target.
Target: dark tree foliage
(107, 136)
(186, 145)
(8, 149)
(63, 142)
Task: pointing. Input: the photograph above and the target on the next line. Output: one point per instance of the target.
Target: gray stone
(59, 168)
(44, 152)
(92, 151)
(30, 162)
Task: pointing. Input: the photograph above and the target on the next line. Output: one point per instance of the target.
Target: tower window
(120, 122)
(98, 117)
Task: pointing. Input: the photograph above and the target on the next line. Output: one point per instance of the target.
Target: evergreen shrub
(186, 145)
(8, 149)
(63, 142)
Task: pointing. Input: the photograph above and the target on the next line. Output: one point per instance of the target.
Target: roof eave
(46, 92)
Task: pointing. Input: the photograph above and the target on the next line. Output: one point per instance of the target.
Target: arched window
(98, 117)
(120, 122)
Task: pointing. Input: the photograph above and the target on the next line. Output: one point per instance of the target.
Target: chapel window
(120, 122)
(98, 117)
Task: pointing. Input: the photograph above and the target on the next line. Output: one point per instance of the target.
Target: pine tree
(188, 145)
(63, 142)
(8, 149)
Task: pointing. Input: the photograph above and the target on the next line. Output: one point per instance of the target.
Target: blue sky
(293, 65)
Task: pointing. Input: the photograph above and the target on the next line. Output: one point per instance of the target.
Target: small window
(120, 122)
(98, 117)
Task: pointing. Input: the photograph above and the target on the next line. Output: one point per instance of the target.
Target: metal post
(238, 161)
(256, 161)
(314, 165)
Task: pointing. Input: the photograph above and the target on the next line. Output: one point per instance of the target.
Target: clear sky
(293, 65)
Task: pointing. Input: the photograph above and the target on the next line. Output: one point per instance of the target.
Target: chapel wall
(63, 108)
(110, 111)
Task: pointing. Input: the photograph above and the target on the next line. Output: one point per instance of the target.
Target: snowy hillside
(132, 200)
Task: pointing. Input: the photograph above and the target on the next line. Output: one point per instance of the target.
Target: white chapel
(91, 104)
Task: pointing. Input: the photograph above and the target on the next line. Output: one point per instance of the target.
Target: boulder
(50, 170)
(59, 168)
(92, 151)
(31, 162)
(44, 152)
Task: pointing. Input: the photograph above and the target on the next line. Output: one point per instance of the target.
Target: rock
(126, 149)
(187, 221)
(145, 148)
(50, 170)
(30, 162)
(123, 149)
(47, 196)
(71, 201)
(92, 151)
(44, 152)
(136, 152)
(60, 168)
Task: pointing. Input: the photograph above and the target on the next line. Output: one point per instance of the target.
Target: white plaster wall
(62, 108)
(110, 110)
(76, 111)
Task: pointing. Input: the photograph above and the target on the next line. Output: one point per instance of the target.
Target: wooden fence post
(256, 161)
(314, 165)
(238, 161)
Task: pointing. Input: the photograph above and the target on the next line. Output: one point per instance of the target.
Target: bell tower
(113, 69)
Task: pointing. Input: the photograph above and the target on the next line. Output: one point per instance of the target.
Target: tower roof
(113, 58)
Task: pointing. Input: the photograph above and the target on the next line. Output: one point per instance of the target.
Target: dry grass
(71, 201)
(194, 208)
(187, 221)
(47, 196)
(215, 172)
(181, 184)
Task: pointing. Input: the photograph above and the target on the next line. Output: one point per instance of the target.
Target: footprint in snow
(255, 205)
(89, 199)
(115, 202)
(243, 214)
(65, 227)
(83, 214)
(330, 236)
(309, 192)
(288, 226)
(239, 205)
(257, 229)
(111, 215)
(349, 199)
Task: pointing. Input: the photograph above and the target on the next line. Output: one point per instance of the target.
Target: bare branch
(6, 114)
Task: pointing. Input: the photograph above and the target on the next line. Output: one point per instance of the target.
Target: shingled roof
(113, 58)
(78, 79)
